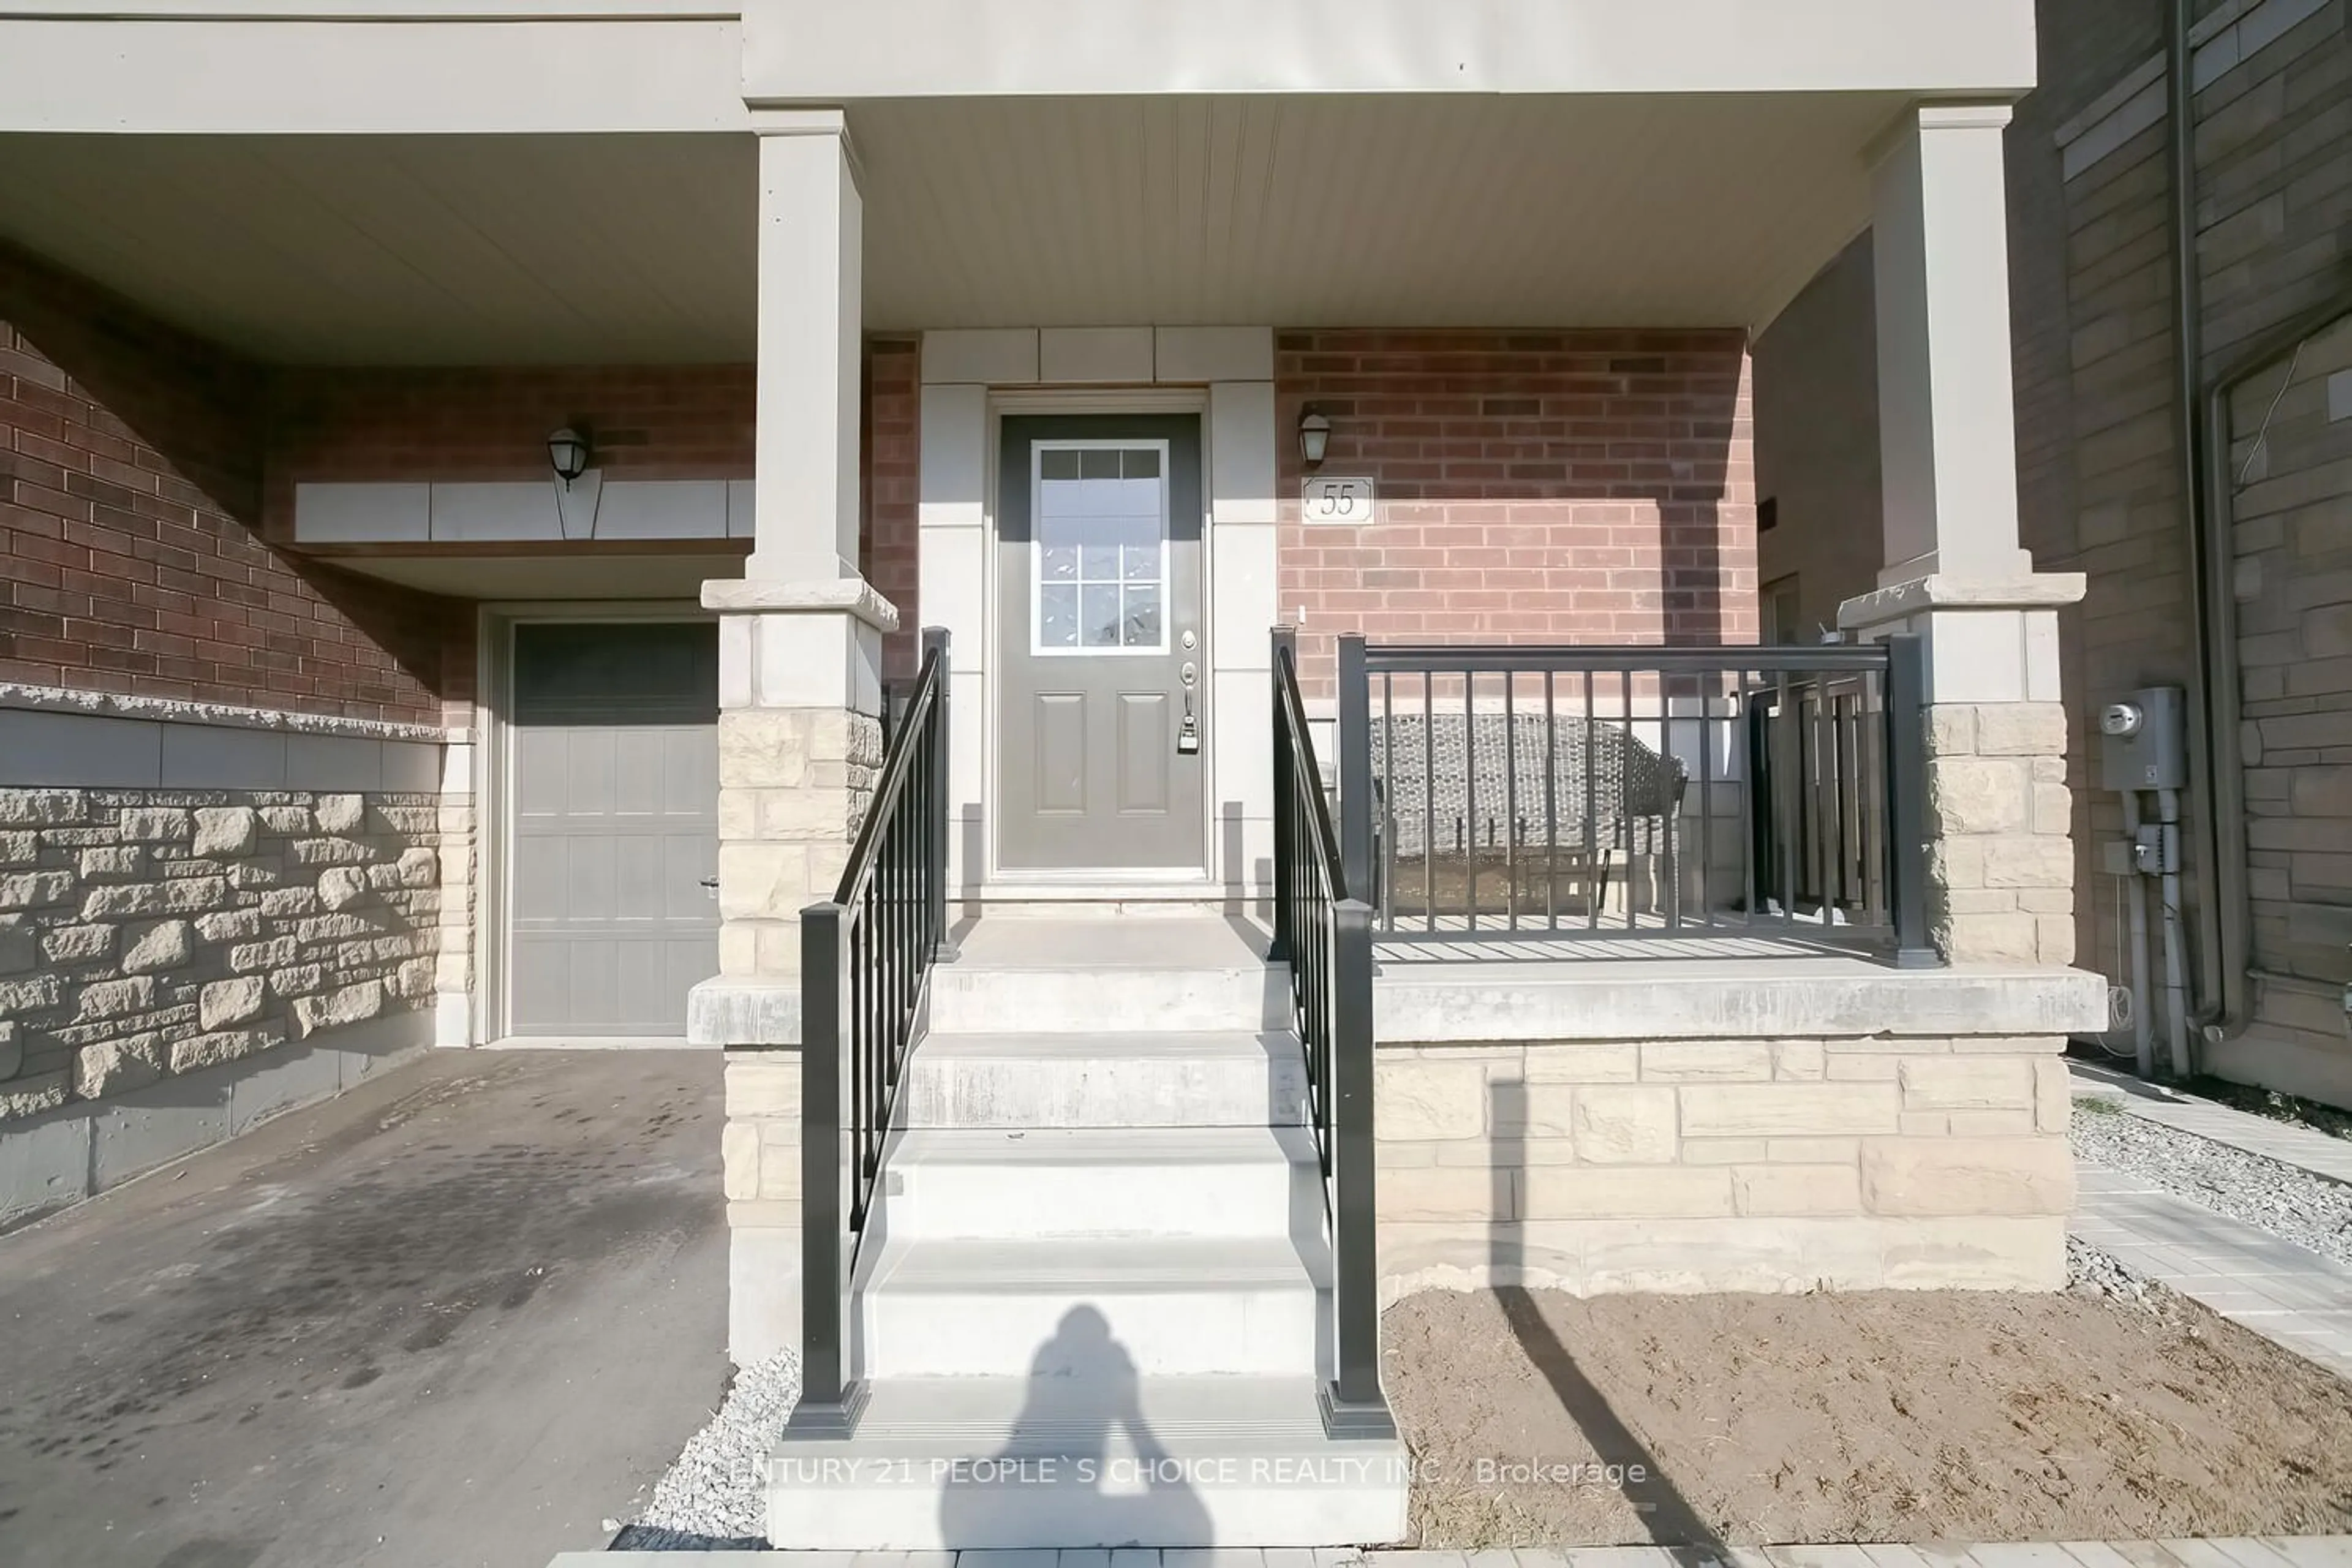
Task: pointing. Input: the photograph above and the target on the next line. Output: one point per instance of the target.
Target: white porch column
(800, 697)
(810, 326)
(2000, 862)
(1947, 435)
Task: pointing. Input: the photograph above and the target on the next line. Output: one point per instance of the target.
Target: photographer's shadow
(1080, 1464)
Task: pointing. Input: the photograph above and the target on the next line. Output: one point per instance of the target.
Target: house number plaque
(1340, 499)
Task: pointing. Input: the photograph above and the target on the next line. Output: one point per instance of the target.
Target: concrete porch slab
(1779, 997)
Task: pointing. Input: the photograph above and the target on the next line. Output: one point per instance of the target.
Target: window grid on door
(1098, 548)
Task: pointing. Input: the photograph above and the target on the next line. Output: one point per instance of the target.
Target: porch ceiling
(504, 249)
(1359, 211)
(1286, 210)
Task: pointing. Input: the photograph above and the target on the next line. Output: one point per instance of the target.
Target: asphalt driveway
(460, 1315)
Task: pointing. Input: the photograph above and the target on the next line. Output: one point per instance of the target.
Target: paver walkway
(2282, 1292)
(2270, 1552)
(2288, 1294)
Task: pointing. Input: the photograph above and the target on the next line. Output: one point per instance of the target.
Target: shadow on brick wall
(132, 472)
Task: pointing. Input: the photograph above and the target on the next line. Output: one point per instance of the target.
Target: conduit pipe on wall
(2143, 1038)
(2216, 778)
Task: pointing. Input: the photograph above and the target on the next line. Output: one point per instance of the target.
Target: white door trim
(1110, 882)
(1227, 374)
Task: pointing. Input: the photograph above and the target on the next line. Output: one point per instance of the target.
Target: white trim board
(525, 510)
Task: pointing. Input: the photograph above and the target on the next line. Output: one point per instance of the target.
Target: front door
(1102, 754)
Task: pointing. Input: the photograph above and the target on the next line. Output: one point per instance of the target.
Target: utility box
(2144, 740)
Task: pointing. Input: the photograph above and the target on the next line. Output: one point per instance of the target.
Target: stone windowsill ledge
(1472, 1002)
(173, 711)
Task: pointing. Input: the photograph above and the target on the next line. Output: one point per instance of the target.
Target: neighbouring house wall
(2099, 467)
(1906, 1131)
(2275, 192)
(2292, 527)
(1589, 487)
(221, 817)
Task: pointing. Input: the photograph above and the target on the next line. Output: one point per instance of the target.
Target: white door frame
(494, 801)
(1109, 881)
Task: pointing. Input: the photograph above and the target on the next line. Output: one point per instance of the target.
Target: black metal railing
(1639, 792)
(1325, 937)
(866, 956)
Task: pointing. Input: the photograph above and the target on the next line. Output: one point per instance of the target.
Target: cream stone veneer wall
(1872, 1136)
(178, 963)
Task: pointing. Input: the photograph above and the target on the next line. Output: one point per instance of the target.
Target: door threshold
(1191, 892)
(593, 1043)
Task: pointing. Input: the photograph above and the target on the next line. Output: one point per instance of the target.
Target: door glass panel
(1100, 548)
(1057, 617)
(1099, 618)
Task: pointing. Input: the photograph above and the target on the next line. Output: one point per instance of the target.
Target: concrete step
(1110, 973)
(1030, 1184)
(1228, 1305)
(977, 1462)
(970, 999)
(1197, 1079)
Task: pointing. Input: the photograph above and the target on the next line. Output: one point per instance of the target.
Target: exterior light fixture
(567, 454)
(1314, 438)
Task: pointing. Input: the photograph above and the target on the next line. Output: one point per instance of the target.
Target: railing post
(941, 771)
(1352, 1404)
(828, 1401)
(1284, 650)
(1355, 767)
(1907, 800)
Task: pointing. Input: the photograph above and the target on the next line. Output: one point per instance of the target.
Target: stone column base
(2000, 861)
(800, 746)
(759, 1153)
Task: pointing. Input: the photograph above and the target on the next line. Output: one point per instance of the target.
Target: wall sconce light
(1314, 438)
(567, 454)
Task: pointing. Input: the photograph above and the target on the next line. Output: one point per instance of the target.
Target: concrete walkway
(2271, 1552)
(2285, 1141)
(2288, 1294)
(460, 1316)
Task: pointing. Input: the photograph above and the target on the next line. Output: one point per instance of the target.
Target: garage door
(614, 828)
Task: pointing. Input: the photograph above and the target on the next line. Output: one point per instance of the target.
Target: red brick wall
(648, 422)
(131, 460)
(890, 490)
(1573, 487)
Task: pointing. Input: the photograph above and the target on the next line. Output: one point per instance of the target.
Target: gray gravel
(2291, 1204)
(713, 1495)
(2091, 1272)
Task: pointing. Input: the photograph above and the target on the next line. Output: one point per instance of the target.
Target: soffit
(409, 251)
(1362, 211)
(523, 249)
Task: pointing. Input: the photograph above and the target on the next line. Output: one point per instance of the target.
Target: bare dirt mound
(1537, 1418)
